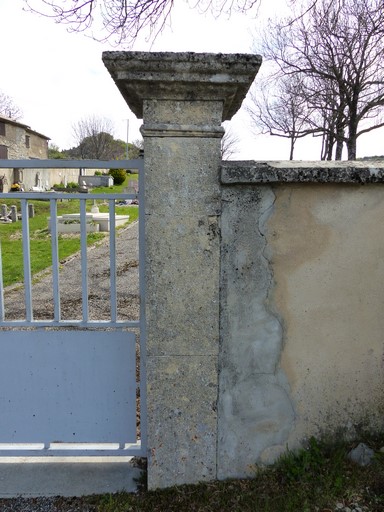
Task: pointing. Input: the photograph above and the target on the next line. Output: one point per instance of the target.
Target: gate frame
(133, 449)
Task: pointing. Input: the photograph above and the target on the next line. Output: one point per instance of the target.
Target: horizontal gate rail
(72, 164)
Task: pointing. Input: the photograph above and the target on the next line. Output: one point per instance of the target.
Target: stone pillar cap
(182, 76)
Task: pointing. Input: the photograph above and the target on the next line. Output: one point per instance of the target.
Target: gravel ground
(70, 284)
(98, 284)
(46, 505)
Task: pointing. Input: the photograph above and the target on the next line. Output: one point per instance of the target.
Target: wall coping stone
(354, 172)
(187, 76)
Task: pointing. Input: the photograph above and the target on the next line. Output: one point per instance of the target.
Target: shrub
(72, 184)
(118, 176)
(98, 173)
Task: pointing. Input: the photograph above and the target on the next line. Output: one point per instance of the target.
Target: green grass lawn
(40, 240)
(131, 179)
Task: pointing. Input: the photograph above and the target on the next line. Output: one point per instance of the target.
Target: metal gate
(72, 386)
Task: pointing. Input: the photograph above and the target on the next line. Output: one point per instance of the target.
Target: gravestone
(13, 213)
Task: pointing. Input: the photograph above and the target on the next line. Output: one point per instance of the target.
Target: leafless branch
(93, 138)
(123, 20)
(229, 143)
(338, 47)
(8, 107)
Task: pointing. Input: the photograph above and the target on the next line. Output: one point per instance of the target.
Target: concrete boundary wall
(302, 275)
(263, 280)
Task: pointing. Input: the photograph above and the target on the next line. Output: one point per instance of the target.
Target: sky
(57, 77)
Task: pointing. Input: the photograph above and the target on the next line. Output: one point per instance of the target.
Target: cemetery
(246, 355)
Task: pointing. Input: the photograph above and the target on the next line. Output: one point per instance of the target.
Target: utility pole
(127, 152)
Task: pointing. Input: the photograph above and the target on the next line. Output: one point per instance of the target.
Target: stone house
(18, 142)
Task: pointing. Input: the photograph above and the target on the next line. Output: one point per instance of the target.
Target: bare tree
(281, 109)
(8, 107)
(94, 138)
(339, 46)
(136, 148)
(229, 143)
(123, 20)
(327, 115)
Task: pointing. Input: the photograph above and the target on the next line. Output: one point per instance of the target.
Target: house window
(3, 152)
(2, 129)
(17, 175)
(27, 141)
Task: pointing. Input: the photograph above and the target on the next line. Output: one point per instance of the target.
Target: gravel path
(46, 505)
(98, 284)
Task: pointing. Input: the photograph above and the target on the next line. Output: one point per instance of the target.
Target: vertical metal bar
(84, 266)
(26, 260)
(112, 258)
(1, 288)
(55, 259)
(143, 338)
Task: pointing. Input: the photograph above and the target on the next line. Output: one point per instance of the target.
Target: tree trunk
(339, 150)
(327, 146)
(352, 130)
(331, 142)
(351, 142)
(291, 148)
(323, 146)
(340, 132)
(351, 145)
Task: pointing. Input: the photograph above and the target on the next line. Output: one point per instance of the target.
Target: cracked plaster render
(307, 237)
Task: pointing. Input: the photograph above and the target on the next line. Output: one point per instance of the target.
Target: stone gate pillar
(183, 99)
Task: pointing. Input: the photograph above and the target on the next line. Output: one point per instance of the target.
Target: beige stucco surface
(326, 249)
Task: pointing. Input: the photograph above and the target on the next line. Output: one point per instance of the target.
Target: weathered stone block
(182, 303)
(183, 76)
(183, 112)
(189, 186)
(182, 394)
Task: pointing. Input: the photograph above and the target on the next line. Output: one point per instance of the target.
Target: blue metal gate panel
(67, 387)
